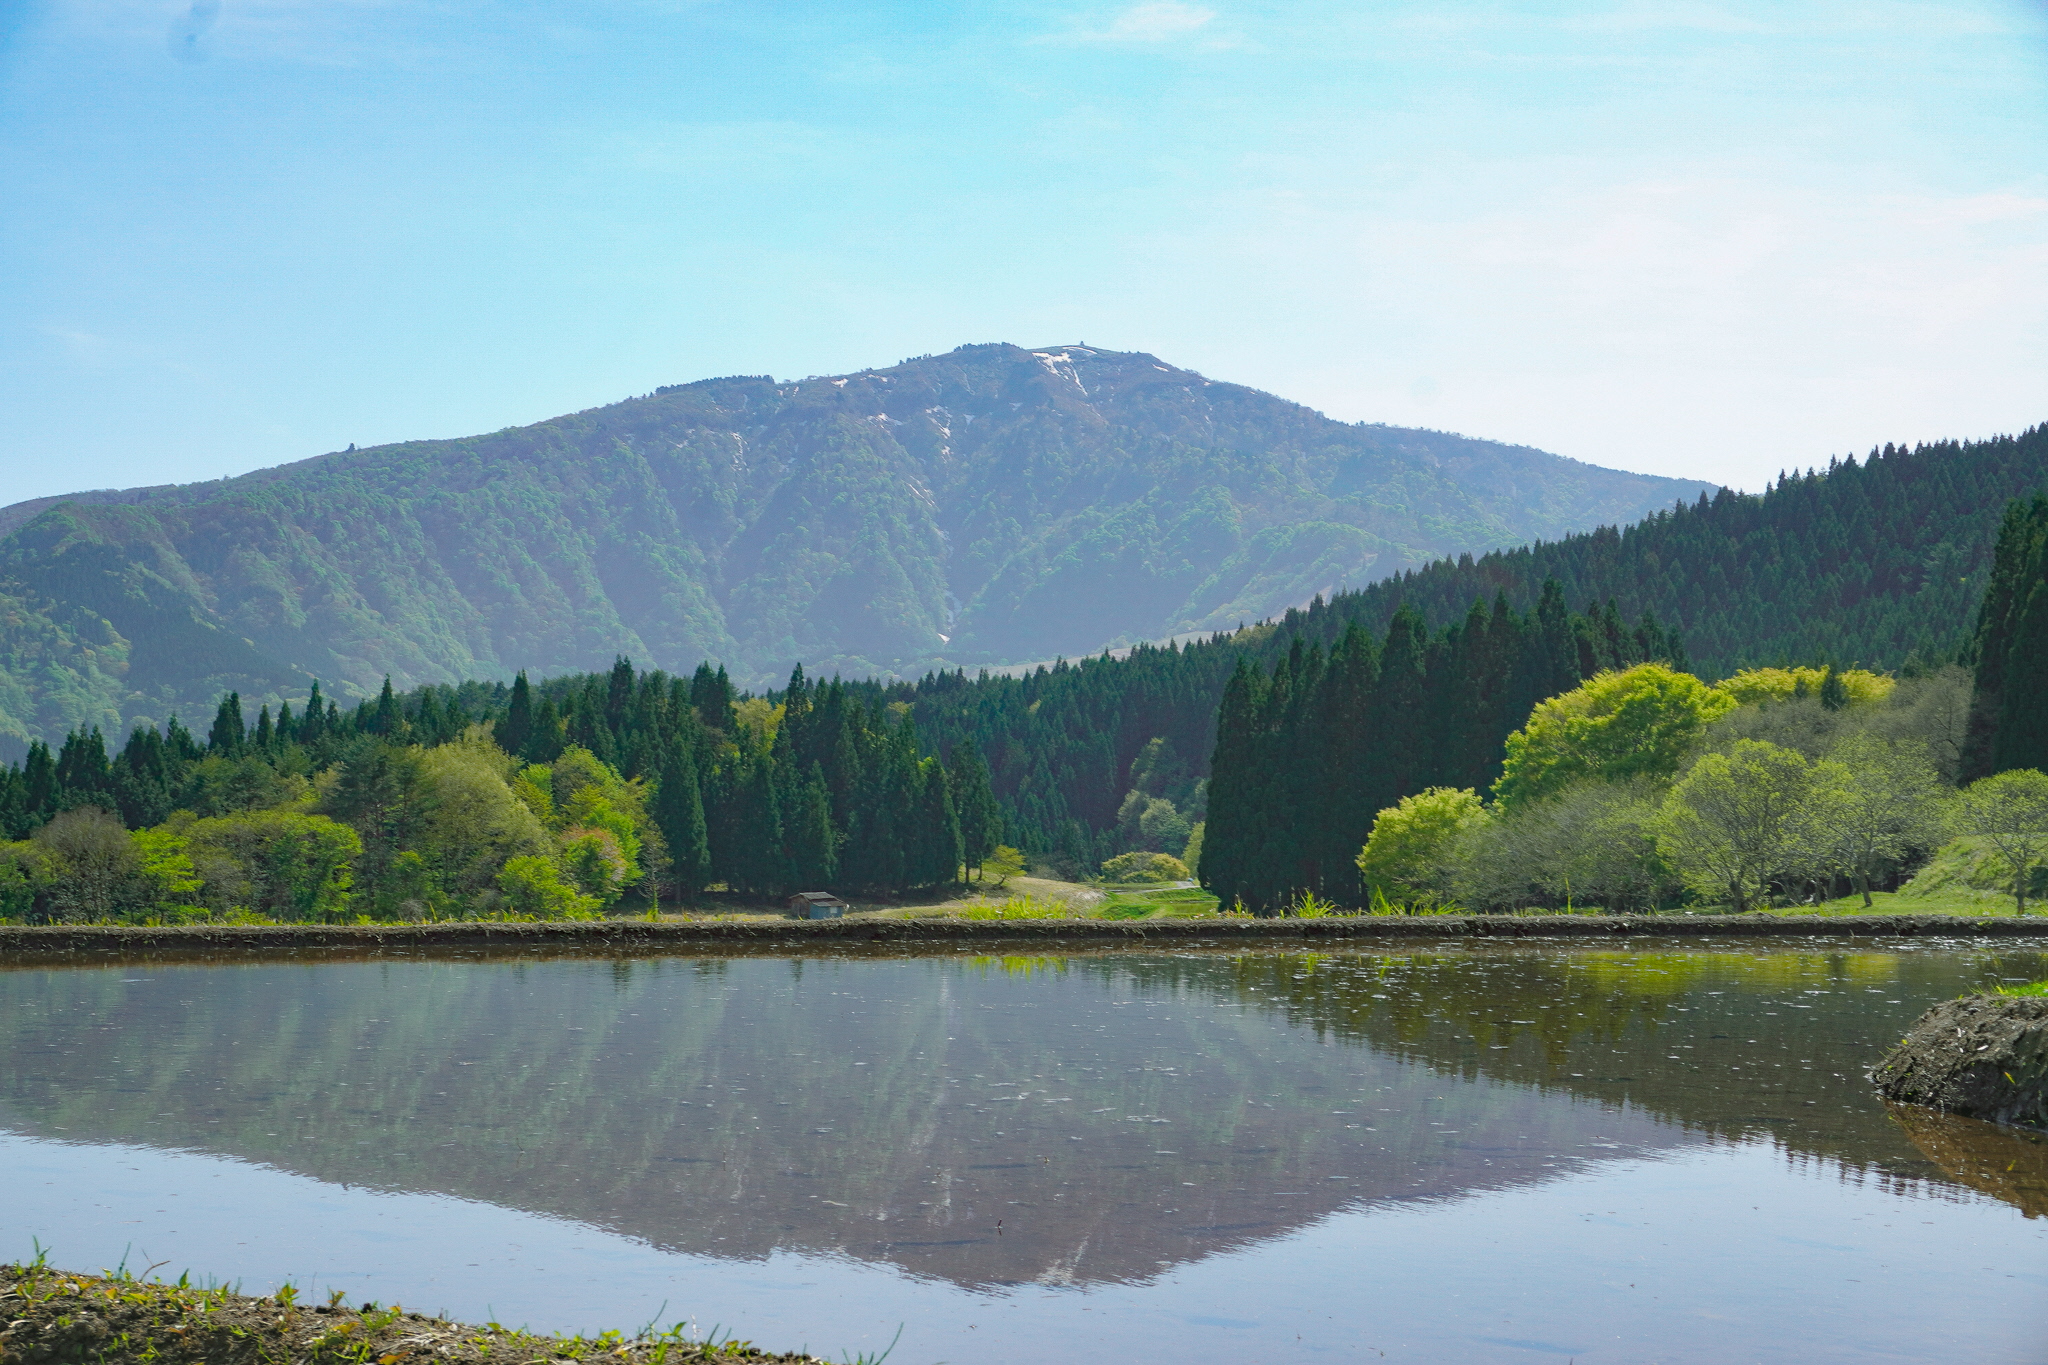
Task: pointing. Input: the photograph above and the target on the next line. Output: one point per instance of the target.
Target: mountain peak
(984, 506)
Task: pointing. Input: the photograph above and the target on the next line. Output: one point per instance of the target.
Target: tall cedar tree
(2009, 705)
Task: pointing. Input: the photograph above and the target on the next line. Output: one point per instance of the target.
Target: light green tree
(533, 887)
(1640, 722)
(595, 862)
(474, 821)
(278, 863)
(2009, 811)
(1737, 821)
(167, 864)
(1594, 844)
(1001, 864)
(1872, 803)
(1412, 853)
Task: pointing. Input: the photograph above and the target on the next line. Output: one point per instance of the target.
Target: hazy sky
(1702, 239)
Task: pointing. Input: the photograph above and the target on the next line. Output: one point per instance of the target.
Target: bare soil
(1983, 1057)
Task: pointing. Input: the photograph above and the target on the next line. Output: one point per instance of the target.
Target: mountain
(987, 506)
(1872, 561)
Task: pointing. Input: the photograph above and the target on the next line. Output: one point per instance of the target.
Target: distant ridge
(987, 506)
(1870, 562)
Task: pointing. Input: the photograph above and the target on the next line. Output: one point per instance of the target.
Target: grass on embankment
(1970, 903)
(54, 1316)
(1023, 898)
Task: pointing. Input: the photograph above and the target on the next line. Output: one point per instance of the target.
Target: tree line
(1307, 753)
(550, 800)
(1639, 785)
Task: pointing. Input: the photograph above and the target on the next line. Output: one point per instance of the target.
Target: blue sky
(1705, 239)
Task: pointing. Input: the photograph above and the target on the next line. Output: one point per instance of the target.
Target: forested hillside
(1867, 561)
(558, 798)
(988, 506)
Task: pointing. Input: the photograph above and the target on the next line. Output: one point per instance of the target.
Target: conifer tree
(180, 748)
(84, 776)
(981, 826)
(142, 779)
(515, 728)
(2008, 725)
(428, 722)
(679, 815)
(228, 734)
(812, 843)
(39, 784)
(383, 716)
(934, 859)
(313, 728)
(1236, 796)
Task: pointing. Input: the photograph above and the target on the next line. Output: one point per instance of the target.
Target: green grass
(1947, 902)
(2032, 988)
(1180, 903)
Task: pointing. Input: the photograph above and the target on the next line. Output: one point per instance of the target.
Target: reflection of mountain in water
(1115, 1114)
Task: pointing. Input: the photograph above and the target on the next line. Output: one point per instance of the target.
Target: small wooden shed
(817, 905)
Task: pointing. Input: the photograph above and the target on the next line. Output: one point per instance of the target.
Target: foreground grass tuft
(54, 1316)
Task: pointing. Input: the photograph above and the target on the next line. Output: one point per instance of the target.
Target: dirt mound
(1983, 1056)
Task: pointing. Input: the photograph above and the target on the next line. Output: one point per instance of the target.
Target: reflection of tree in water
(1731, 1044)
(2006, 1163)
(893, 1110)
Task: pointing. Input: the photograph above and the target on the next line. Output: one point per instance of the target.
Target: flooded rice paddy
(1484, 1153)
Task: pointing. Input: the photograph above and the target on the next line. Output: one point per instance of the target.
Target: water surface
(1491, 1152)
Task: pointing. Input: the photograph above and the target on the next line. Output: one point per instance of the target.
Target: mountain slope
(984, 506)
(1869, 562)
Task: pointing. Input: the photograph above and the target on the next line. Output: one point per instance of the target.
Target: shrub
(281, 864)
(533, 888)
(1144, 867)
(1411, 854)
(597, 865)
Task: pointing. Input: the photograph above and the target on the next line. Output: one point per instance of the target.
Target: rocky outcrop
(1983, 1056)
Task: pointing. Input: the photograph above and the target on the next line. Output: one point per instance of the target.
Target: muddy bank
(53, 1316)
(23, 942)
(1983, 1057)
